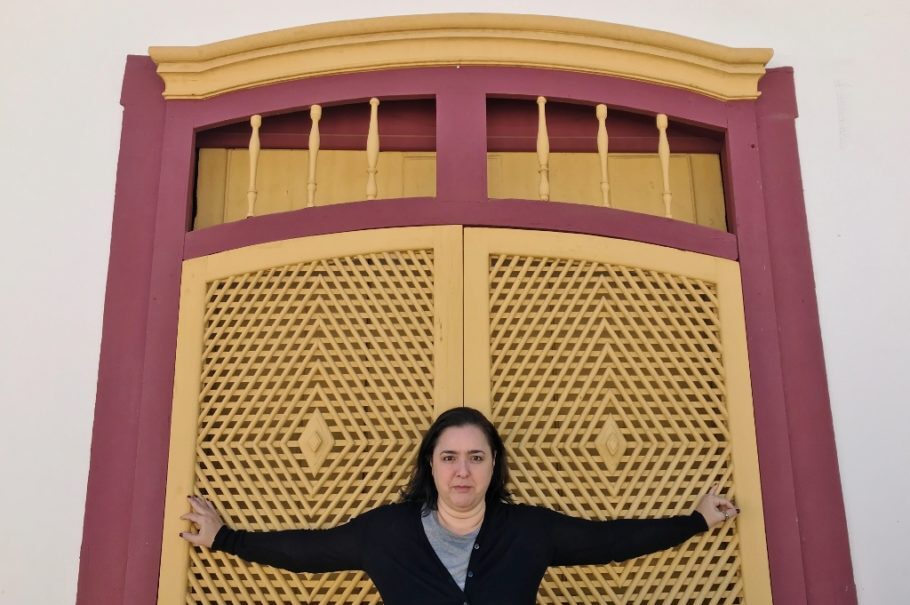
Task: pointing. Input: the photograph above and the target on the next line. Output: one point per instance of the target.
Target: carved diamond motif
(610, 443)
(316, 441)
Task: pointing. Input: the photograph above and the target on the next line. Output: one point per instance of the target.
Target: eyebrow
(469, 452)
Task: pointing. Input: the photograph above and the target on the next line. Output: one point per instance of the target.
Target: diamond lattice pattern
(317, 382)
(608, 385)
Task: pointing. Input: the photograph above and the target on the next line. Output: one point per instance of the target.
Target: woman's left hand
(715, 509)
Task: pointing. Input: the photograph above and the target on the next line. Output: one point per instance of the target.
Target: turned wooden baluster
(315, 116)
(373, 149)
(543, 149)
(663, 150)
(603, 144)
(255, 122)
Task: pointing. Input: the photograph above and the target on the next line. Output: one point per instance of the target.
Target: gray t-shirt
(453, 550)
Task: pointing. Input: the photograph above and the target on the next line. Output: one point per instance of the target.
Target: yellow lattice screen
(308, 369)
(313, 382)
(612, 369)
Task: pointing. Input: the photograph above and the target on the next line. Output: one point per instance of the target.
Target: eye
(448, 458)
(477, 458)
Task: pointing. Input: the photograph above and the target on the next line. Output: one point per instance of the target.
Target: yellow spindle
(315, 116)
(543, 149)
(663, 150)
(603, 145)
(373, 149)
(256, 123)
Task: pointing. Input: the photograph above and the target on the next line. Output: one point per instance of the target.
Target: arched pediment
(199, 72)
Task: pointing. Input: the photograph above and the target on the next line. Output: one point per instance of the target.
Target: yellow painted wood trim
(477, 362)
(198, 72)
(449, 332)
(175, 551)
(750, 525)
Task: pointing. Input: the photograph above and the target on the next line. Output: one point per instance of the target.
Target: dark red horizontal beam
(520, 214)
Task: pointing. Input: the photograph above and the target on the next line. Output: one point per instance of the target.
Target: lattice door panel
(617, 374)
(306, 374)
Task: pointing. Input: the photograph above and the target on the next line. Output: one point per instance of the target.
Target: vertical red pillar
(819, 501)
(461, 140)
(769, 400)
(109, 498)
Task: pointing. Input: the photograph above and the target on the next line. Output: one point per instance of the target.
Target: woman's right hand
(206, 518)
(716, 509)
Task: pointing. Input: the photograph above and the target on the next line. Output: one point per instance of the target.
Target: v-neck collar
(432, 551)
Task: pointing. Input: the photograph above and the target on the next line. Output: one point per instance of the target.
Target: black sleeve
(582, 542)
(297, 550)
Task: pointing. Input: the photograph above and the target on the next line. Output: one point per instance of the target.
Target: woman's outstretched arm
(583, 542)
(297, 550)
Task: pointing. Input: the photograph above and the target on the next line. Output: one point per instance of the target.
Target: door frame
(807, 533)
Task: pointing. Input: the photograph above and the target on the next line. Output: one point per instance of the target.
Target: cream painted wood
(256, 123)
(461, 39)
(707, 190)
(313, 152)
(663, 151)
(635, 182)
(603, 147)
(373, 149)
(543, 150)
(211, 180)
(284, 180)
(418, 175)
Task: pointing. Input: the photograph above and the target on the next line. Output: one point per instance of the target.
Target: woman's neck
(460, 522)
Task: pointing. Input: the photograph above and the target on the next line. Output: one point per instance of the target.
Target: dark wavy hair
(421, 488)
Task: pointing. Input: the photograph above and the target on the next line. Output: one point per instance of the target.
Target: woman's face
(462, 467)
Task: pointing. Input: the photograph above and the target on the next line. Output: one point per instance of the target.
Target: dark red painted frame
(804, 515)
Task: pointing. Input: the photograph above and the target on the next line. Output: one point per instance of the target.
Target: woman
(456, 537)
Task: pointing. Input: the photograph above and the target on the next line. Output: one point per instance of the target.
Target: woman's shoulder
(389, 521)
(390, 513)
(524, 512)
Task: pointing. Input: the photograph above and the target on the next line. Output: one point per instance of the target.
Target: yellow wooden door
(308, 369)
(306, 373)
(617, 373)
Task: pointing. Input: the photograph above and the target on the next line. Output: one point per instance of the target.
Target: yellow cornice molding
(199, 72)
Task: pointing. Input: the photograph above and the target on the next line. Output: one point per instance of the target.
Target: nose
(462, 470)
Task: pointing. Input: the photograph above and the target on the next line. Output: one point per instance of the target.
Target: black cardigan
(515, 546)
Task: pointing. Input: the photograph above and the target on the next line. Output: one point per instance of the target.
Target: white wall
(850, 63)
